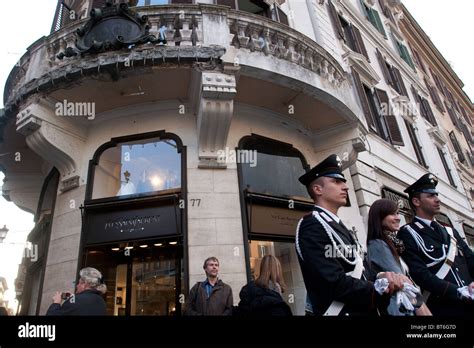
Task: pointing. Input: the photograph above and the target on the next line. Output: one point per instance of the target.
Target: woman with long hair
(384, 251)
(263, 297)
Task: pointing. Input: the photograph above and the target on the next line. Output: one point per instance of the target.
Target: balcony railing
(184, 28)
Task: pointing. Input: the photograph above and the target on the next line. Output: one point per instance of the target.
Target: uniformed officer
(328, 254)
(440, 262)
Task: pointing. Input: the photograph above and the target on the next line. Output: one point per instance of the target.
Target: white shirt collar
(426, 221)
(332, 215)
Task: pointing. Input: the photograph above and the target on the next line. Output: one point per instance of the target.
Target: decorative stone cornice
(359, 63)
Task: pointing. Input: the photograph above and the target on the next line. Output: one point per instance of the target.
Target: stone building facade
(144, 145)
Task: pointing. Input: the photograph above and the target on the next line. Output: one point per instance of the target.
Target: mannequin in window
(127, 187)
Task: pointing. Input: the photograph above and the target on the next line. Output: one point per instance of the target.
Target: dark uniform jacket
(444, 297)
(88, 302)
(257, 301)
(325, 275)
(220, 301)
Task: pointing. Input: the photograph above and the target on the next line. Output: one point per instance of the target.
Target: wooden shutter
(428, 112)
(401, 85)
(386, 11)
(434, 95)
(336, 21)
(464, 114)
(418, 59)
(452, 115)
(363, 101)
(282, 17)
(457, 147)
(359, 42)
(407, 56)
(446, 167)
(378, 22)
(415, 143)
(390, 119)
(383, 66)
(230, 3)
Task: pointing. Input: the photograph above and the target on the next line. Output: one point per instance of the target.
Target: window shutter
(390, 119)
(383, 66)
(230, 3)
(401, 84)
(428, 112)
(446, 167)
(359, 42)
(363, 101)
(336, 21)
(416, 144)
(464, 114)
(282, 17)
(386, 11)
(457, 147)
(434, 95)
(407, 56)
(378, 22)
(454, 118)
(467, 134)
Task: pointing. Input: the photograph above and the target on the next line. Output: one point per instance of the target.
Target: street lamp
(3, 233)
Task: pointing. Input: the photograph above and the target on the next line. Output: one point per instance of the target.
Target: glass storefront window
(295, 294)
(137, 167)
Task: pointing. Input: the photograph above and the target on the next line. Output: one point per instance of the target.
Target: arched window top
(277, 169)
(136, 167)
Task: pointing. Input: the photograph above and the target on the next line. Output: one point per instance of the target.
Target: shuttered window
(364, 101)
(434, 95)
(404, 54)
(416, 144)
(457, 147)
(386, 11)
(374, 18)
(347, 32)
(388, 127)
(446, 167)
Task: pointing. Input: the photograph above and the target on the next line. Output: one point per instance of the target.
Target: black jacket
(325, 275)
(443, 299)
(256, 301)
(88, 302)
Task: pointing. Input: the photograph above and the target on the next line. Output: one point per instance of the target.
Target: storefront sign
(132, 223)
(273, 220)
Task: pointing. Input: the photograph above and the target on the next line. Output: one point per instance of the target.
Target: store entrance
(142, 278)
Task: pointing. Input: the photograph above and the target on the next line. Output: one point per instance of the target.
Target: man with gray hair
(88, 299)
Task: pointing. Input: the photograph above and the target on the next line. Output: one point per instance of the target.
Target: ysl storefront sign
(130, 222)
(136, 223)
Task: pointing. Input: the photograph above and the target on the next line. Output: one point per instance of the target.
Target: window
(457, 147)
(137, 167)
(416, 144)
(446, 167)
(404, 54)
(378, 112)
(347, 32)
(435, 96)
(453, 116)
(285, 252)
(386, 11)
(425, 108)
(392, 75)
(282, 160)
(373, 17)
(418, 60)
(269, 222)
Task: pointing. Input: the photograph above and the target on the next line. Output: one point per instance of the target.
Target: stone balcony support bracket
(56, 144)
(215, 107)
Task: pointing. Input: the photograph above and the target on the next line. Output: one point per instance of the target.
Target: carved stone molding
(215, 109)
(55, 144)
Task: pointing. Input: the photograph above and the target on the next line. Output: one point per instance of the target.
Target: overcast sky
(448, 24)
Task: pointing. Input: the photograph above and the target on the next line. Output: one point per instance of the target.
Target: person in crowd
(263, 297)
(88, 299)
(329, 256)
(440, 261)
(384, 251)
(211, 296)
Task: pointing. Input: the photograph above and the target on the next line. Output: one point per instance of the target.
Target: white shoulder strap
(336, 307)
(448, 262)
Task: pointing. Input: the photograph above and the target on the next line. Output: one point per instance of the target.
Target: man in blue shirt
(212, 296)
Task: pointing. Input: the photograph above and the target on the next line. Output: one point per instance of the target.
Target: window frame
(162, 135)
